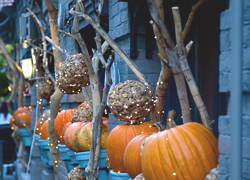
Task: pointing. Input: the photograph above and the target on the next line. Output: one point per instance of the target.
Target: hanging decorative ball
(131, 101)
(72, 75)
(76, 174)
(46, 88)
(83, 113)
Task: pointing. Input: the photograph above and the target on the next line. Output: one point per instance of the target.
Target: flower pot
(83, 158)
(72, 156)
(45, 152)
(64, 152)
(119, 176)
(26, 136)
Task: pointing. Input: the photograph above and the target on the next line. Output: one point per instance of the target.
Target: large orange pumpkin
(132, 155)
(44, 130)
(24, 114)
(61, 120)
(70, 135)
(118, 139)
(84, 137)
(186, 152)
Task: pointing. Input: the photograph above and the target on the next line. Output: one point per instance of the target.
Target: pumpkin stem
(170, 120)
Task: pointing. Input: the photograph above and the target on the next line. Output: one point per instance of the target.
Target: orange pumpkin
(44, 130)
(24, 114)
(118, 139)
(132, 155)
(45, 116)
(61, 120)
(186, 152)
(84, 137)
(70, 135)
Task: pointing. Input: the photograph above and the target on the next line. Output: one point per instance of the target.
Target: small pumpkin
(70, 135)
(84, 137)
(61, 120)
(45, 116)
(44, 130)
(24, 114)
(132, 155)
(118, 139)
(186, 152)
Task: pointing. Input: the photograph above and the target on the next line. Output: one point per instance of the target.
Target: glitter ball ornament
(72, 75)
(83, 113)
(131, 101)
(46, 89)
(76, 174)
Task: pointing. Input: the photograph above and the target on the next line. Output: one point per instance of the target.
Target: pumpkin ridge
(152, 159)
(182, 143)
(163, 146)
(207, 137)
(211, 139)
(203, 153)
(193, 141)
(173, 143)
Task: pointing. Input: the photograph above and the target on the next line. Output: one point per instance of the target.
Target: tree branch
(191, 17)
(111, 42)
(44, 44)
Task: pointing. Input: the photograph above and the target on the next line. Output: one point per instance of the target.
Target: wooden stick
(56, 46)
(178, 76)
(195, 91)
(165, 74)
(52, 12)
(190, 18)
(112, 43)
(44, 44)
(159, 22)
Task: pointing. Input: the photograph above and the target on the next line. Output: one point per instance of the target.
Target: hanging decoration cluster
(83, 113)
(131, 101)
(72, 75)
(46, 88)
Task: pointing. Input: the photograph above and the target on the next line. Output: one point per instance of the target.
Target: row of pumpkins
(185, 152)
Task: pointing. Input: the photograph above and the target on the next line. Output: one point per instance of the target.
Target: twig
(44, 44)
(189, 46)
(178, 26)
(155, 15)
(56, 46)
(191, 17)
(111, 42)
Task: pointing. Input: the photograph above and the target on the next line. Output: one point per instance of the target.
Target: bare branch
(190, 18)
(189, 46)
(45, 63)
(56, 46)
(178, 26)
(159, 22)
(111, 42)
(54, 31)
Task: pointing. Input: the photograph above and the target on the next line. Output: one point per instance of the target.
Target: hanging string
(39, 103)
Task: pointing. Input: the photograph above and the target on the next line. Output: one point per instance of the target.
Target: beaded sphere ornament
(131, 101)
(46, 88)
(72, 75)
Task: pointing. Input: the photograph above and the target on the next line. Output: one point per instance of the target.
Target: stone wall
(225, 86)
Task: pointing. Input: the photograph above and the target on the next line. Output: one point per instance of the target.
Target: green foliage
(4, 84)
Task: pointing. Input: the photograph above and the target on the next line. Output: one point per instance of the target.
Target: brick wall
(225, 73)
